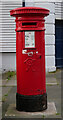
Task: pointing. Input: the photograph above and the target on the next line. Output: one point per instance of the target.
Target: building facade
(53, 25)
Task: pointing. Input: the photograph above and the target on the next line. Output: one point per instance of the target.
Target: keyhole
(40, 56)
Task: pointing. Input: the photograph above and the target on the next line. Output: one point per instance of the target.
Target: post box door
(32, 50)
(33, 61)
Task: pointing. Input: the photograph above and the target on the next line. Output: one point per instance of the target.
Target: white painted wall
(8, 62)
(8, 41)
(49, 34)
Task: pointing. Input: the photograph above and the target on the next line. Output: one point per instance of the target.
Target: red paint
(30, 69)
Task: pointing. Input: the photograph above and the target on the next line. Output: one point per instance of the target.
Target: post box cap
(28, 11)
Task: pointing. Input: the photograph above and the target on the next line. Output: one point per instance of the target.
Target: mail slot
(30, 58)
(29, 23)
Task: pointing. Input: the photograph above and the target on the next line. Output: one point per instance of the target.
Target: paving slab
(4, 82)
(11, 82)
(51, 81)
(5, 90)
(11, 111)
(0, 80)
(0, 93)
(0, 104)
(0, 110)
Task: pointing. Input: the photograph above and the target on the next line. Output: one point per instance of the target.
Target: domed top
(28, 11)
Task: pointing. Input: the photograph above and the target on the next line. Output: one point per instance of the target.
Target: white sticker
(29, 39)
(24, 51)
(36, 51)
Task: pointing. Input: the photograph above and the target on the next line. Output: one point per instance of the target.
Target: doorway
(59, 43)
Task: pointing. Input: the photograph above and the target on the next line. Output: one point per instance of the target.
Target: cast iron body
(30, 58)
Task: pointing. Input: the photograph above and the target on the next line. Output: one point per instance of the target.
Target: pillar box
(30, 58)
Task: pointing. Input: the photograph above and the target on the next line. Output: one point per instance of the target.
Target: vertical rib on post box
(30, 58)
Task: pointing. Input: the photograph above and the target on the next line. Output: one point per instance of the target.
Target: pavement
(8, 101)
(51, 110)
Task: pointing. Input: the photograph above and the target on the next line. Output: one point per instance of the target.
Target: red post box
(30, 58)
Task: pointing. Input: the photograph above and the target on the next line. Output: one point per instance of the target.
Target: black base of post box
(32, 103)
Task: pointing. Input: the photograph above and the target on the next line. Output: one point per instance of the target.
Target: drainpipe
(23, 3)
(28, 3)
